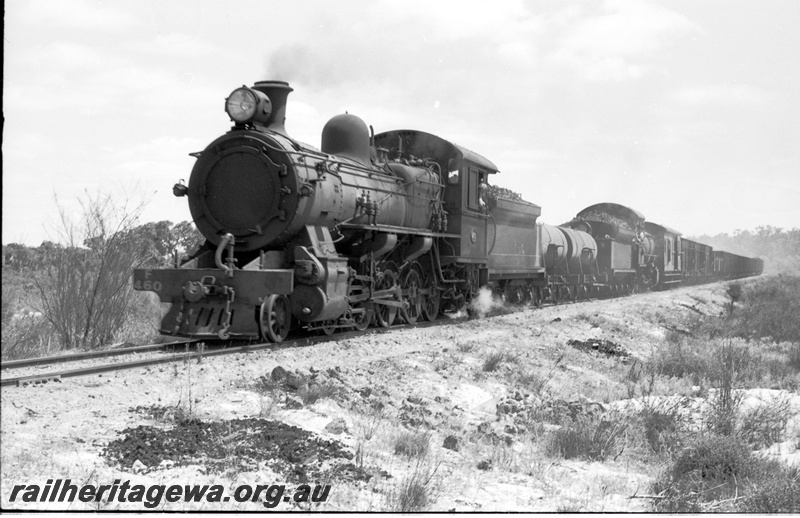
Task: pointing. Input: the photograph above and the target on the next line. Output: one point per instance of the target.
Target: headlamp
(245, 105)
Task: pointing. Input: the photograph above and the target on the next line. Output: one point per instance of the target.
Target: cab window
(668, 246)
(473, 192)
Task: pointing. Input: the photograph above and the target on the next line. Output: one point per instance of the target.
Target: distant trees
(779, 248)
(156, 242)
(83, 286)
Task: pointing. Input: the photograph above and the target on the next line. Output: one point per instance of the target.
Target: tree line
(153, 244)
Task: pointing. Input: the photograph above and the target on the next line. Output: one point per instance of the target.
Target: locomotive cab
(668, 254)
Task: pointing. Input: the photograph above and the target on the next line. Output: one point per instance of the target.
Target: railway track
(202, 352)
(66, 358)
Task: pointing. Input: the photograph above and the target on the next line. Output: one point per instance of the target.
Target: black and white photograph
(383, 256)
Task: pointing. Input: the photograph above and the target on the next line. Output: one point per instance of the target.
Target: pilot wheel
(275, 318)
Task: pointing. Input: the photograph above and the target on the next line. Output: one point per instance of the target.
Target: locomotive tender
(370, 228)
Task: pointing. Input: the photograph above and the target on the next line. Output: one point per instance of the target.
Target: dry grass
(589, 438)
(412, 444)
(314, 392)
(763, 425)
(662, 424)
(493, 360)
(416, 491)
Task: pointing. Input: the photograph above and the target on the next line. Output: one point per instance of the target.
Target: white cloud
(614, 43)
(72, 14)
(723, 94)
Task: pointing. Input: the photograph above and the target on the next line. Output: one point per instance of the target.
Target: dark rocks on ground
(295, 381)
(604, 346)
(296, 454)
(451, 443)
(485, 465)
(293, 403)
(415, 415)
(493, 433)
(337, 426)
(278, 374)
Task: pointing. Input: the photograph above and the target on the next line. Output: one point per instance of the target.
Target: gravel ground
(335, 413)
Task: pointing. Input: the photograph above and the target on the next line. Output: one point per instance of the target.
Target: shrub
(705, 472)
(726, 372)
(414, 493)
(588, 438)
(493, 361)
(466, 347)
(315, 391)
(718, 473)
(84, 288)
(794, 356)
(27, 337)
(537, 383)
(763, 426)
(776, 491)
(769, 308)
(661, 423)
(680, 359)
(412, 444)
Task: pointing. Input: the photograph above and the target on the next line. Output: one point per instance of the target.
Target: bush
(719, 473)
(414, 493)
(661, 423)
(680, 359)
(412, 444)
(85, 288)
(794, 356)
(589, 438)
(763, 426)
(315, 391)
(777, 491)
(27, 337)
(493, 361)
(769, 308)
(703, 473)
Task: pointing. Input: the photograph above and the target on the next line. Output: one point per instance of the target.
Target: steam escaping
(485, 302)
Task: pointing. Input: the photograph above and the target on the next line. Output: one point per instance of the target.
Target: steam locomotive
(372, 229)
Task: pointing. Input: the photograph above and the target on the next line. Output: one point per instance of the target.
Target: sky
(686, 111)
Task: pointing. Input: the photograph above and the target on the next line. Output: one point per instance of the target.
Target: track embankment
(465, 408)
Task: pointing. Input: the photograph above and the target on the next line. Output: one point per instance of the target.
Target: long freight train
(373, 229)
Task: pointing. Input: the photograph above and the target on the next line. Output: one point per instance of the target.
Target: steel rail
(64, 358)
(22, 381)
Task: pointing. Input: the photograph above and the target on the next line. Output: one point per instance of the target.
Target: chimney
(277, 91)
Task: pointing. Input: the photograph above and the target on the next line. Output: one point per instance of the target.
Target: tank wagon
(371, 229)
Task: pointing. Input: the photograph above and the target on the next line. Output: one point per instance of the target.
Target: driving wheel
(412, 282)
(385, 315)
(431, 302)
